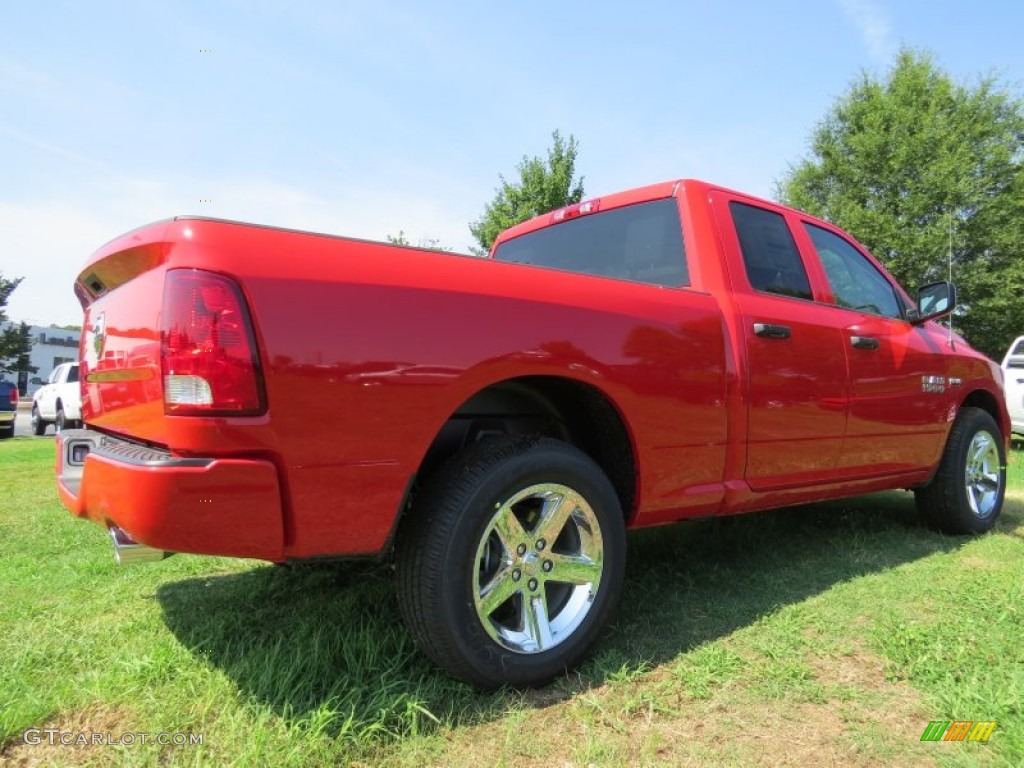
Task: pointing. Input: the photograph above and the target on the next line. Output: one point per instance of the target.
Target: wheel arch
(986, 401)
(564, 408)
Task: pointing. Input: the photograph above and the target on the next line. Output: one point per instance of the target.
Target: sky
(370, 118)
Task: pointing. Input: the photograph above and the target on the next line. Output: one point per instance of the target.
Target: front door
(900, 399)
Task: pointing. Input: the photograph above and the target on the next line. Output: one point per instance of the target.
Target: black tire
(966, 494)
(450, 545)
(60, 423)
(38, 424)
(7, 431)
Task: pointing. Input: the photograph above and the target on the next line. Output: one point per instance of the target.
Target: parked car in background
(59, 401)
(8, 408)
(1013, 384)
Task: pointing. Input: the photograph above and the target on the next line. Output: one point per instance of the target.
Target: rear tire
(60, 423)
(7, 431)
(38, 425)
(511, 561)
(966, 494)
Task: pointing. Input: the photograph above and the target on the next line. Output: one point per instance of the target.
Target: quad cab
(497, 425)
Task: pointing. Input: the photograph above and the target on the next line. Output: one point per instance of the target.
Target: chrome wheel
(511, 560)
(538, 568)
(982, 474)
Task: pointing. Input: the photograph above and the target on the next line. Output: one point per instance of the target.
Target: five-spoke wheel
(511, 560)
(966, 494)
(539, 566)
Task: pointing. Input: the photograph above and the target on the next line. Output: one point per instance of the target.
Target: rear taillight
(207, 349)
(14, 396)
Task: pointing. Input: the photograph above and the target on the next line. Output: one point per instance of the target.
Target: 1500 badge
(933, 384)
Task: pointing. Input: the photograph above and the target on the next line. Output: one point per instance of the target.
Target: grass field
(824, 635)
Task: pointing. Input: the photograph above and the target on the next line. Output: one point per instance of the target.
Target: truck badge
(936, 384)
(99, 335)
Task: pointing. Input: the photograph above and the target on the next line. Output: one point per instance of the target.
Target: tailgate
(120, 290)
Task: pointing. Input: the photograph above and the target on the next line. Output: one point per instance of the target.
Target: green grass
(829, 634)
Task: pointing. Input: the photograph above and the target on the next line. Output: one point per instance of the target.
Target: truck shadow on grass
(326, 649)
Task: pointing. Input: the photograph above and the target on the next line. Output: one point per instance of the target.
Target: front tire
(966, 494)
(511, 561)
(38, 425)
(60, 424)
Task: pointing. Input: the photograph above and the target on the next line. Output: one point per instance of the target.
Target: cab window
(855, 281)
(641, 242)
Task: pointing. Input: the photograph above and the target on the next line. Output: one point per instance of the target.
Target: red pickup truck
(495, 425)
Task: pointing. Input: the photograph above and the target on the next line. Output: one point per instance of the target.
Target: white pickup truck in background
(59, 401)
(1013, 384)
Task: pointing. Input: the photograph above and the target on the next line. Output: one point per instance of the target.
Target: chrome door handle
(864, 342)
(769, 331)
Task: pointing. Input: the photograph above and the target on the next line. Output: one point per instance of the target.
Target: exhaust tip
(127, 551)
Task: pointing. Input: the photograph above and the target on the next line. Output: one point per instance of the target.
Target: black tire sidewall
(976, 421)
(540, 464)
(38, 425)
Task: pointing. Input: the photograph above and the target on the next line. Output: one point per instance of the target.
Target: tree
(15, 340)
(543, 186)
(917, 167)
(428, 243)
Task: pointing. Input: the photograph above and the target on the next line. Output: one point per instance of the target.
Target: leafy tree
(430, 243)
(917, 166)
(543, 186)
(15, 340)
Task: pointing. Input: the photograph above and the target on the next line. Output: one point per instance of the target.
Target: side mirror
(934, 300)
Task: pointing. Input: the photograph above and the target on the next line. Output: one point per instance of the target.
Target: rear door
(794, 364)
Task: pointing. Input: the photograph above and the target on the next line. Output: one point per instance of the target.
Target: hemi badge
(955, 381)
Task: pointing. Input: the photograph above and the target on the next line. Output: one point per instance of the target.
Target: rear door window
(770, 254)
(641, 242)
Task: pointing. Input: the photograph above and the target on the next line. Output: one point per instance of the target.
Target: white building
(50, 348)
